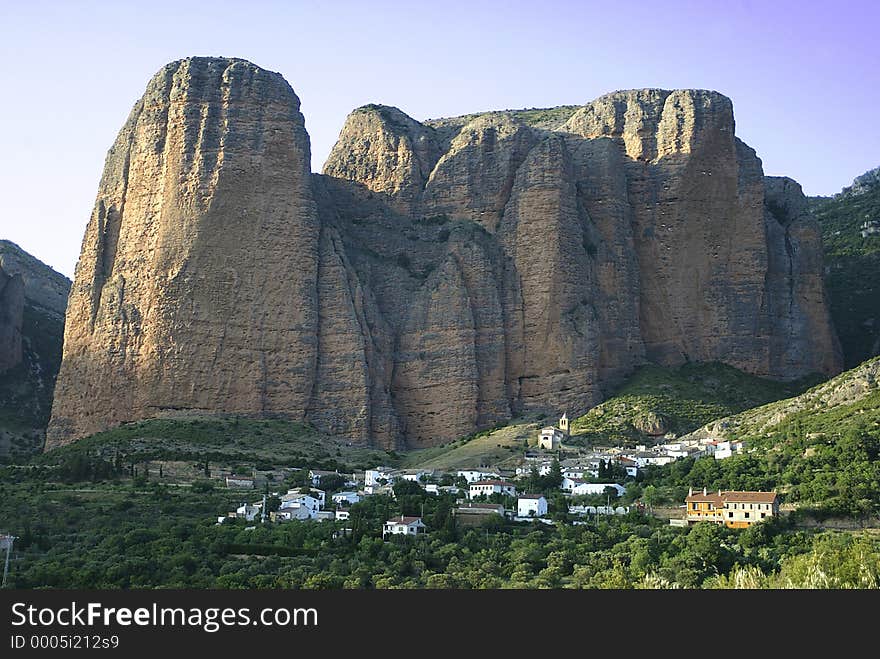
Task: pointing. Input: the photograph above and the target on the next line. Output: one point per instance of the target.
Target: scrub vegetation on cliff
(852, 266)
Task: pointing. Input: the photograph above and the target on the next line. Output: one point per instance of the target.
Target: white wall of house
(528, 507)
(477, 489)
(348, 497)
(594, 488)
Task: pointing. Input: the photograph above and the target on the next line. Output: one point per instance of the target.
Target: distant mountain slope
(26, 389)
(850, 224)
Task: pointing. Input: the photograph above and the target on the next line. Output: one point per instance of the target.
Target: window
(763, 515)
(730, 514)
(747, 515)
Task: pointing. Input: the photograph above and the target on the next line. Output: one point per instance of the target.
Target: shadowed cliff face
(439, 277)
(11, 316)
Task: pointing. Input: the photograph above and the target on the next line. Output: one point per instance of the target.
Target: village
(592, 484)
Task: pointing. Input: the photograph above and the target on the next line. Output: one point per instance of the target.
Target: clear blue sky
(803, 76)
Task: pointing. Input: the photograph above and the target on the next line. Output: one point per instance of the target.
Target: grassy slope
(853, 271)
(231, 440)
(686, 397)
(849, 400)
(489, 447)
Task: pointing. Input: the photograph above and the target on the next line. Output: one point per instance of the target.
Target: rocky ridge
(439, 277)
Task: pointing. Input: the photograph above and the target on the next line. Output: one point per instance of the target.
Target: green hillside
(820, 449)
(656, 400)
(494, 447)
(852, 263)
(222, 440)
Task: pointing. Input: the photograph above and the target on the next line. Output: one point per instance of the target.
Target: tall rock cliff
(196, 287)
(439, 277)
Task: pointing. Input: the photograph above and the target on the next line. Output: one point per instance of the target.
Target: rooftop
(723, 496)
(404, 520)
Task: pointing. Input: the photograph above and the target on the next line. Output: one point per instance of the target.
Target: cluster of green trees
(117, 535)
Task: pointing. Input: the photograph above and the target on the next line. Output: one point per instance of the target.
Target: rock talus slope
(439, 277)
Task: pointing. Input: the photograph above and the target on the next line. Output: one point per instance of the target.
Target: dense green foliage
(853, 271)
(121, 535)
(685, 398)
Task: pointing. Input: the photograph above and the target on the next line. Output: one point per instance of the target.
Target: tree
(553, 480)
(272, 505)
(332, 482)
(649, 496)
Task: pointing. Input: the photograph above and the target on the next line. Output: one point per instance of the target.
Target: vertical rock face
(799, 308)
(440, 277)
(11, 316)
(33, 298)
(196, 288)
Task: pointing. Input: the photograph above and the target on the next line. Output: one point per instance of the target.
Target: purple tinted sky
(803, 76)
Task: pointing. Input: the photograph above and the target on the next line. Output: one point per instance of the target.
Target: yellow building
(734, 509)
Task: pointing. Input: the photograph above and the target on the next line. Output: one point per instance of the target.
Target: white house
(631, 466)
(345, 498)
(531, 505)
(660, 460)
(325, 515)
(373, 478)
(292, 511)
(432, 488)
(474, 475)
(403, 526)
(248, 512)
(342, 514)
(577, 486)
(303, 501)
(414, 475)
(297, 492)
(579, 472)
(490, 487)
(683, 450)
(526, 469)
(551, 438)
(726, 449)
